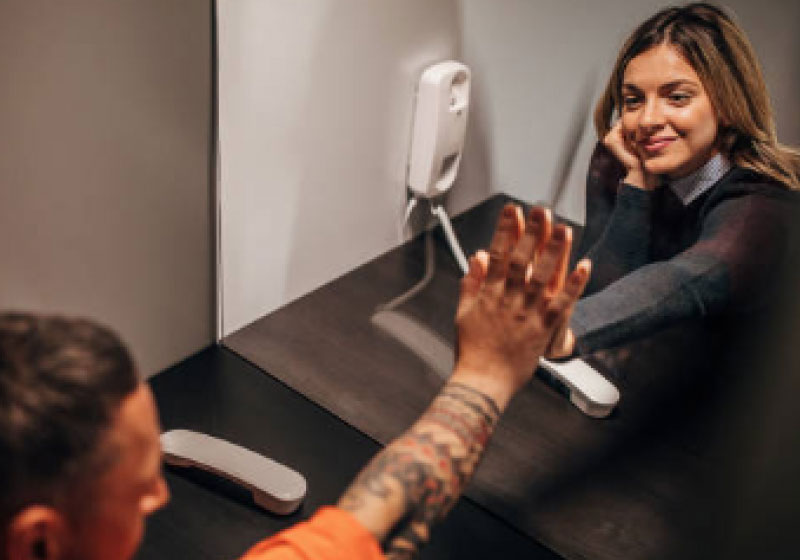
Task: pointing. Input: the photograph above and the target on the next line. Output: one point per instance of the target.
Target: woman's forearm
(624, 244)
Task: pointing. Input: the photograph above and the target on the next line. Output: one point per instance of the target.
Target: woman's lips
(655, 145)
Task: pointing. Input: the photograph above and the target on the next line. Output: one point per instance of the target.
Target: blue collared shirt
(693, 185)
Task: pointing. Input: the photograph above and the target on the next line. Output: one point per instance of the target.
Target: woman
(690, 197)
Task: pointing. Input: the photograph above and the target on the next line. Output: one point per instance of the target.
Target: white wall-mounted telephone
(440, 123)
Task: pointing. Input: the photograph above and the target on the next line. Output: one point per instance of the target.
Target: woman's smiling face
(666, 114)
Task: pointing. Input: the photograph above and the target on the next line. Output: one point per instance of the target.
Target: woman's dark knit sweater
(659, 264)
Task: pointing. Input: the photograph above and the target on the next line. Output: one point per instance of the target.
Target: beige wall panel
(104, 167)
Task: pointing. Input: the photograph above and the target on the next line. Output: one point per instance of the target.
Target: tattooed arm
(421, 474)
(512, 302)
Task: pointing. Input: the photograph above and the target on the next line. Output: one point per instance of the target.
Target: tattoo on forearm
(428, 466)
(484, 401)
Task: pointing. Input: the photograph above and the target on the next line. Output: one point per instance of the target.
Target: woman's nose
(651, 115)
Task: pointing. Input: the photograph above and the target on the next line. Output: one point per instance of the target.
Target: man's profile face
(111, 524)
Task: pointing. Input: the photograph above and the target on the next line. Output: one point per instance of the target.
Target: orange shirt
(331, 534)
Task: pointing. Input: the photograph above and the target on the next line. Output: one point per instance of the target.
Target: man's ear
(37, 533)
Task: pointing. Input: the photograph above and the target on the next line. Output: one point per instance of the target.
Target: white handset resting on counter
(592, 393)
(274, 486)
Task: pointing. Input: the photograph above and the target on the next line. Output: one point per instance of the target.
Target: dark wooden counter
(219, 393)
(586, 488)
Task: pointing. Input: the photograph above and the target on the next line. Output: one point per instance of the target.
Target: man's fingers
(505, 237)
(472, 281)
(537, 227)
(560, 307)
(577, 280)
(544, 218)
(549, 263)
(482, 258)
(557, 280)
(563, 342)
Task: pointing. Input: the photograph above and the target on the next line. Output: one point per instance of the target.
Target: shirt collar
(693, 185)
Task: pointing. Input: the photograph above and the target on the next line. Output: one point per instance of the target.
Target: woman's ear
(726, 139)
(37, 533)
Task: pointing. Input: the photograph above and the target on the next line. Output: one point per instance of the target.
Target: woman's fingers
(621, 147)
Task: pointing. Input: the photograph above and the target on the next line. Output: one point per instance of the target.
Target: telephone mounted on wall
(440, 124)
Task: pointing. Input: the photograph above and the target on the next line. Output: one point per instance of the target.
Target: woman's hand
(621, 146)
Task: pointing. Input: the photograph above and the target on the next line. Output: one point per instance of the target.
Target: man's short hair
(61, 381)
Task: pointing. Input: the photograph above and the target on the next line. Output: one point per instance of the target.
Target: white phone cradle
(587, 389)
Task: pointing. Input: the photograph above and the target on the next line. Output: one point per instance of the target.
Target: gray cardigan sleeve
(726, 269)
(625, 242)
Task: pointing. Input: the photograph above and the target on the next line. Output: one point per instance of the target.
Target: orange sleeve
(331, 534)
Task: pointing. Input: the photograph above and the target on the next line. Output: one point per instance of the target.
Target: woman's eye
(679, 98)
(631, 101)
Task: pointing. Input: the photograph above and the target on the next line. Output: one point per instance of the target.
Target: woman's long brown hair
(718, 50)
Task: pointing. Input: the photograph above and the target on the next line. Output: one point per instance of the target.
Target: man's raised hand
(515, 300)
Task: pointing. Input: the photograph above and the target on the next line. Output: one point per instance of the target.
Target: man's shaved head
(61, 382)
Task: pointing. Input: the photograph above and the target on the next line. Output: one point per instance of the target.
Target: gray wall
(315, 119)
(104, 167)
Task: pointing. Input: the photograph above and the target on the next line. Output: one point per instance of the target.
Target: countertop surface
(322, 382)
